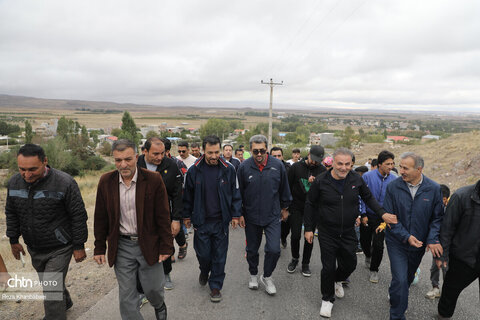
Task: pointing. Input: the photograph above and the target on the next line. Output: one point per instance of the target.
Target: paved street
(297, 298)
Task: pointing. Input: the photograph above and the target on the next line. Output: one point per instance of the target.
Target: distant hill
(8, 101)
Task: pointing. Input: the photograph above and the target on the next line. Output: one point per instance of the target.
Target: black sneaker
(284, 244)
(292, 266)
(306, 270)
(215, 295)
(203, 279)
(182, 252)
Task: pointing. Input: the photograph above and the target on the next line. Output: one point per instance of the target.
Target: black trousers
(372, 243)
(296, 221)
(285, 229)
(458, 277)
(339, 260)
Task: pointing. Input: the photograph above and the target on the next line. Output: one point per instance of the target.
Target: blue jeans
(404, 261)
(253, 234)
(210, 241)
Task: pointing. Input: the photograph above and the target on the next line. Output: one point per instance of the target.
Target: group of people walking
(143, 205)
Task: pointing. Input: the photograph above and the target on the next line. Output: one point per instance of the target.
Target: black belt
(129, 237)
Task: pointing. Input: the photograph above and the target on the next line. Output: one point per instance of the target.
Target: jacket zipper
(341, 230)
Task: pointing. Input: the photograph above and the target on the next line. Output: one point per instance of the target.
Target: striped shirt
(128, 211)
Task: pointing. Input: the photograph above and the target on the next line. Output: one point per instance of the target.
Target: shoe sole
(291, 271)
(253, 287)
(373, 281)
(306, 274)
(215, 300)
(325, 316)
(263, 282)
(168, 288)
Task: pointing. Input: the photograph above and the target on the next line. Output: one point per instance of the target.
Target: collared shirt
(263, 164)
(128, 211)
(150, 166)
(189, 161)
(414, 188)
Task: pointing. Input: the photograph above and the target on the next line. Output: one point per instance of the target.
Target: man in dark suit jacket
(154, 159)
(132, 214)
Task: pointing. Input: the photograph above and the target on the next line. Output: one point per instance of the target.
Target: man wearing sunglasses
(265, 200)
(184, 155)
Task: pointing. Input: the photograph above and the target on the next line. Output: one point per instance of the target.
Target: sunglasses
(259, 151)
(182, 151)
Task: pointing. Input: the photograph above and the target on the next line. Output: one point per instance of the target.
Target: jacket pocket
(62, 235)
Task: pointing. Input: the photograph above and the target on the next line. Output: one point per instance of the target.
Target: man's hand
(163, 257)
(440, 263)
(100, 259)
(187, 223)
(357, 222)
(241, 222)
(79, 255)
(16, 249)
(414, 242)
(436, 249)
(284, 214)
(4, 277)
(309, 236)
(365, 221)
(390, 218)
(175, 227)
(311, 179)
(235, 222)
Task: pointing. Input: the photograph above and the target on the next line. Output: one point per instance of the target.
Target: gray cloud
(376, 53)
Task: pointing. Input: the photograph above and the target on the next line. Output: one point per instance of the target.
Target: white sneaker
(253, 283)
(373, 277)
(434, 293)
(339, 293)
(269, 285)
(326, 309)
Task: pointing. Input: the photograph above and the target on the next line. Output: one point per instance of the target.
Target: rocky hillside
(454, 161)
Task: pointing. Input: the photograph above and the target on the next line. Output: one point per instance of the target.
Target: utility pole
(271, 84)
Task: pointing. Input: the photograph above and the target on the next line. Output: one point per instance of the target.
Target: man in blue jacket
(370, 239)
(417, 202)
(265, 198)
(211, 200)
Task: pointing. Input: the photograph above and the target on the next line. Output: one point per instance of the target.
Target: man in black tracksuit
(154, 159)
(459, 237)
(300, 177)
(332, 206)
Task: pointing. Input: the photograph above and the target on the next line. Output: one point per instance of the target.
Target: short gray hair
(258, 138)
(122, 144)
(419, 163)
(343, 151)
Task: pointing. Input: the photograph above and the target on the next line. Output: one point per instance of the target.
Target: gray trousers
(435, 274)
(130, 263)
(53, 266)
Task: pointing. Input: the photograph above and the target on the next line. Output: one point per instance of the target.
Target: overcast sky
(403, 54)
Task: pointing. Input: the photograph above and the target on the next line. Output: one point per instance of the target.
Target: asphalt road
(297, 297)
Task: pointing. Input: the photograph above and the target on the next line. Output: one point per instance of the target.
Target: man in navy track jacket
(265, 198)
(211, 200)
(417, 202)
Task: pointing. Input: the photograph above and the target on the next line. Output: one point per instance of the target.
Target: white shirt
(189, 161)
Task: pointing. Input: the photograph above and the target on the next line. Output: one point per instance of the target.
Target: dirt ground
(454, 161)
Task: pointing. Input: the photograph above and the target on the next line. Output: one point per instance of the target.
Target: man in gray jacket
(45, 207)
